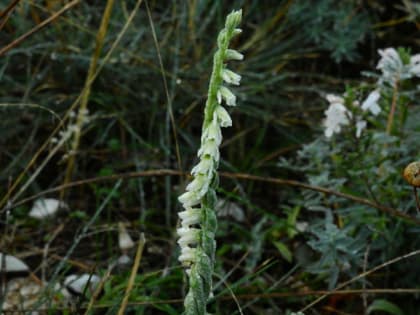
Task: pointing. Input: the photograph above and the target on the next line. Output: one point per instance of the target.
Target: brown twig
(5, 14)
(44, 23)
(293, 183)
(278, 181)
(9, 8)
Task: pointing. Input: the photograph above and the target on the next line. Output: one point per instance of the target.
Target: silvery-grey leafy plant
(370, 134)
(198, 218)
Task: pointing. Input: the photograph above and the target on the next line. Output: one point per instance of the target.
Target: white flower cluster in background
(394, 69)
(337, 114)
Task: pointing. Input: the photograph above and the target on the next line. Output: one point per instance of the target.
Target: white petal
(188, 237)
(360, 126)
(212, 131)
(200, 185)
(187, 255)
(219, 97)
(185, 231)
(190, 216)
(337, 115)
(231, 77)
(209, 148)
(223, 116)
(189, 199)
(328, 132)
(205, 167)
(371, 103)
(232, 54)
(228, 96)
(415, 65)
(331, 98)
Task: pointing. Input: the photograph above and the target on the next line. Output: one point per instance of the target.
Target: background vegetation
(279, 246)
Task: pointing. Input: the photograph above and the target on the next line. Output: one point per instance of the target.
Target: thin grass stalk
(82, 113)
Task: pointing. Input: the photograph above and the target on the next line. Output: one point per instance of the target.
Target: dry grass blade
(5, 14)
(9, 8)
(136, 265)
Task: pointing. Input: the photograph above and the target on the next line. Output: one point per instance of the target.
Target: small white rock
(12, 264)
(125, 241)
(78, 283)
(44, 208)
(124, 260)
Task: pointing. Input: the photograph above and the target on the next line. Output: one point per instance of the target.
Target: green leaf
(284, 251)
(291, 221)
(384, 306)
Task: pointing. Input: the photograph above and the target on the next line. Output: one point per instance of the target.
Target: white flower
(227, 95)
(232, 54)
(332, 99)
(231, 77)
(360, 125)
(415, 65)
(337, 116)
(189, 199)
(390, 61)
(200, 185)
(188, 255)
(188, 236)
(190, 216)
(205, 166)
(209, 148)
(223, 116)
(212, 131)
(371, 103)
